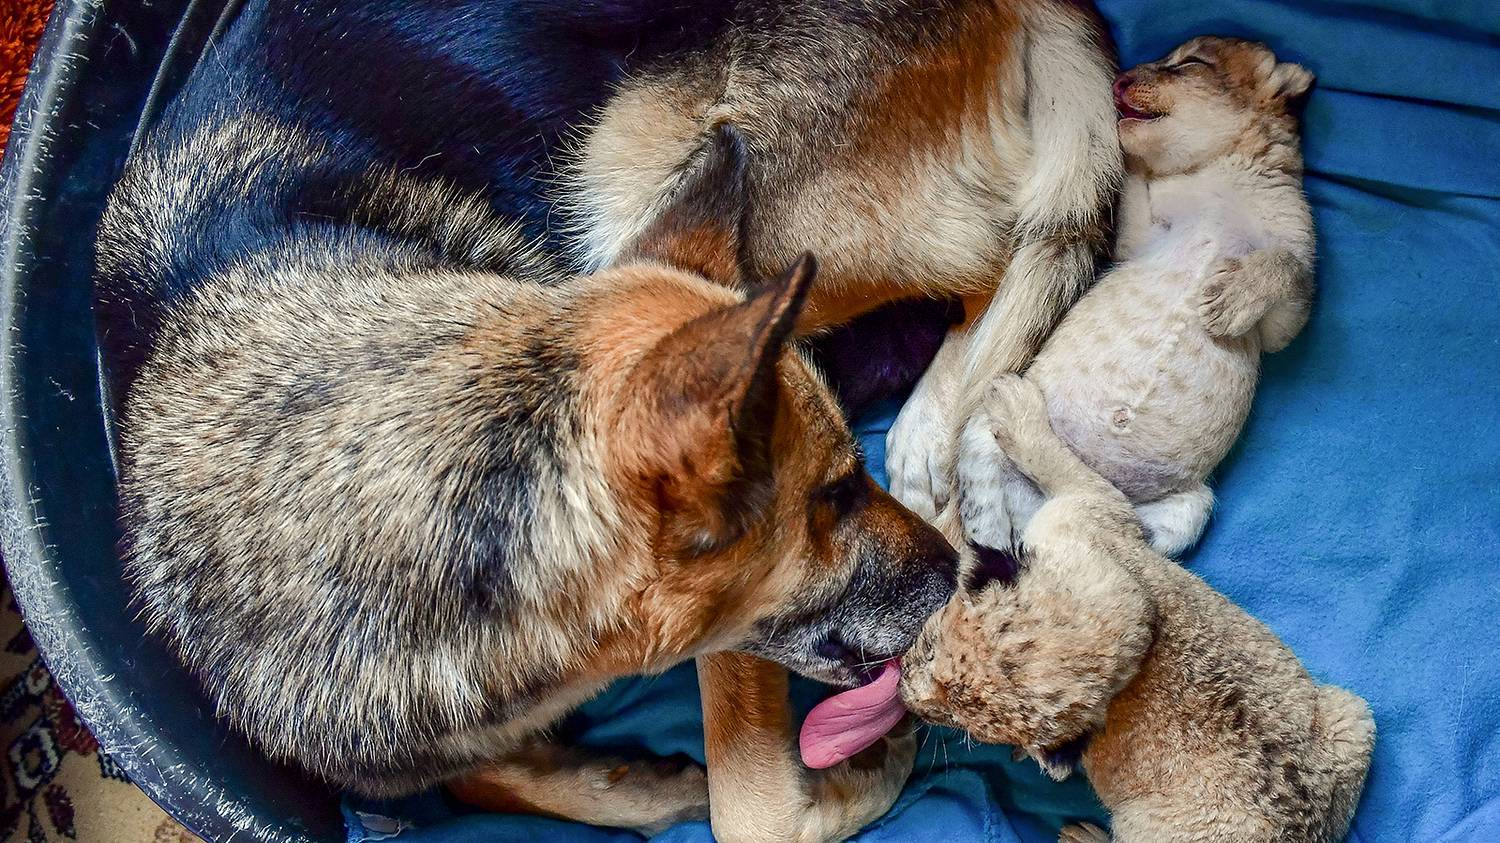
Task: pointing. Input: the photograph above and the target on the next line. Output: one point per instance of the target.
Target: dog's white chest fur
(1134, 381)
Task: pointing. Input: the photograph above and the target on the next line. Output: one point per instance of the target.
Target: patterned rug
(57, 785)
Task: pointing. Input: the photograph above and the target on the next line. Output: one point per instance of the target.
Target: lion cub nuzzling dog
(1195, 722)
(1150, 376)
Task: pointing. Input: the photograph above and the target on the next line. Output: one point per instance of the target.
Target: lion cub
(1194, 722)
(1151, 375)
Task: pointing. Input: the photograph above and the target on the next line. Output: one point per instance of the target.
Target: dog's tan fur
(899, 182)
(1150, 377)
(1205, 728)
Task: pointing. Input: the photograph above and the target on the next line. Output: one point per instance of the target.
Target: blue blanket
(1360, 514)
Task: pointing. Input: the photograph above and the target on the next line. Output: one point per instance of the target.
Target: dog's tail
(1065, 197)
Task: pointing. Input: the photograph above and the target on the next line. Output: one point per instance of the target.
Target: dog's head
(763, 530)
(1208, 97)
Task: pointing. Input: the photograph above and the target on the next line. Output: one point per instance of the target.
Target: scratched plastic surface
(95, 76)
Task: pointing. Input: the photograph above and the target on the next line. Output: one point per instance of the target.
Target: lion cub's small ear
(1289, 81)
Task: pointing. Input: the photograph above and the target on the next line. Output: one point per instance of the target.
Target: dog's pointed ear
(711, 389)
(701, 229)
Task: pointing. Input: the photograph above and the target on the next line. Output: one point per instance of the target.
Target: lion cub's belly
(1136, 385)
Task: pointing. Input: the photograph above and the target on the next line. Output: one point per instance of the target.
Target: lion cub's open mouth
(1126, 110)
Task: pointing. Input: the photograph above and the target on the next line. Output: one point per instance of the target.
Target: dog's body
(1200, 726)
(402, 490)
(1150, 377)
(947, 148)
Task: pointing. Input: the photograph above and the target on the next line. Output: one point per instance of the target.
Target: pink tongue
(842, 725)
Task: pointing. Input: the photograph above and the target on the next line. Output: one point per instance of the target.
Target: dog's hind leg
(547, 779)
(759, 790)
(1062, 216)
(1061, 222)
(1063, 206)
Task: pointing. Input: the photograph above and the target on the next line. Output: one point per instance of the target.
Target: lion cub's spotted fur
(1199, 724)
(1150, 377)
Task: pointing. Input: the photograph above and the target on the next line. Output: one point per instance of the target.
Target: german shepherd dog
(411, 466)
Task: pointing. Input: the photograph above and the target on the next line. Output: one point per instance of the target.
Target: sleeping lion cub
(1151, 375)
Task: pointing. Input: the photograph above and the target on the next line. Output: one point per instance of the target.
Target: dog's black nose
(934, 573)
(942, 576)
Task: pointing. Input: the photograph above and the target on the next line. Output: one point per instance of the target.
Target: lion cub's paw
(1083, 833)
(1017, 411)
(1228, 303)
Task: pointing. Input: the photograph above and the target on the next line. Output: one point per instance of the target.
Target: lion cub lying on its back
(1150, 376)
(1195, 722)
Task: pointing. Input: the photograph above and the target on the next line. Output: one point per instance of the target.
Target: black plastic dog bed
(101, 73)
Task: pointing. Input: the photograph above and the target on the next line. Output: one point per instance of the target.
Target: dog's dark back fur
(477, 95)
(365, 486)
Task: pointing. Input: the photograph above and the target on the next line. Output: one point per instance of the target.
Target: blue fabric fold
(1359, 516)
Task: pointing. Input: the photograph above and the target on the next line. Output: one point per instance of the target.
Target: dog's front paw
(1083, 833)
(671, 790)
(859, 791)
(1228, 304)
(919, 454)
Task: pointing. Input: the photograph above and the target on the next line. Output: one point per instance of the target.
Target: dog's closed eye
(846, 494)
